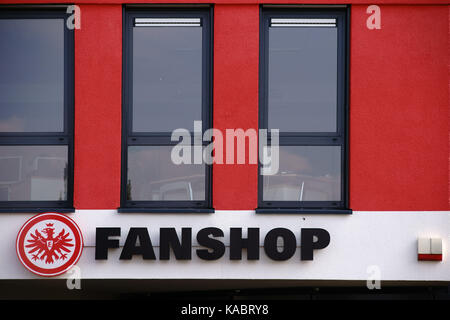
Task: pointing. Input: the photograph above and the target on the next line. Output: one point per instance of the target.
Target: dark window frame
(64, 138)
(338, 138)
(130, 138)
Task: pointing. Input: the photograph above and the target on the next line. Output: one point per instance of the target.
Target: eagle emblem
(49, 244)
(45, 246)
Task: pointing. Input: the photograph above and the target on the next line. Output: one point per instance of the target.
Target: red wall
(98, 105)
(399, 134)
(399, 110)
(236, 56)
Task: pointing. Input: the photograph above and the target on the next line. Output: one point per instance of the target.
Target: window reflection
(37, 173)
(306, 173)
(153, 177)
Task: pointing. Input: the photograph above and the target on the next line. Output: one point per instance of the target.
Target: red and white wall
(399, 147)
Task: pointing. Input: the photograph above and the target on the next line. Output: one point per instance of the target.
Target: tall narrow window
(167, 58)
(36, 111)
(303, 95)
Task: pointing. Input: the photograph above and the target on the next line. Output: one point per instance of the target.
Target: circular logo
(49, 244)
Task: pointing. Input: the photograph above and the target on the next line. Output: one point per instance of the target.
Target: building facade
(353, 187)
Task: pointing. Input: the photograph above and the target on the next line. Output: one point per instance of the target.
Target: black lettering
(103, 243)
(217, 246)
(289, 244)
(308, 244)
(251, 243)
(168, 238)
(144, 248)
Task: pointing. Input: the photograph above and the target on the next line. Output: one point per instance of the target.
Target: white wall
(385, 239)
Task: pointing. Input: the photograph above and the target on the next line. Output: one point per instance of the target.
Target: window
(36, 111)
(167, 76)
(303, 83)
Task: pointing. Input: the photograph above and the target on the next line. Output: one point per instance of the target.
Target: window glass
(152, 176)
(33, 173)
(302, 79)
(306, 173)
(31, 75)
(167, 78)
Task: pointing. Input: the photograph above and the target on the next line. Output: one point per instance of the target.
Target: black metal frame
(338, 138)
(130, 138)
(47, 138)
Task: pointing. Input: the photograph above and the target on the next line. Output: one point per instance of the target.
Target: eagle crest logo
(46, 246)
(49, 244)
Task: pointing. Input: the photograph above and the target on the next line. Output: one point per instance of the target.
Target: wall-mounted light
(429, 249)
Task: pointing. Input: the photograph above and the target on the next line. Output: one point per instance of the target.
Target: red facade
(399, 107)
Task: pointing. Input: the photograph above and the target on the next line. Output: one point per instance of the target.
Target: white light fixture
(167, 22)
(311, 22)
